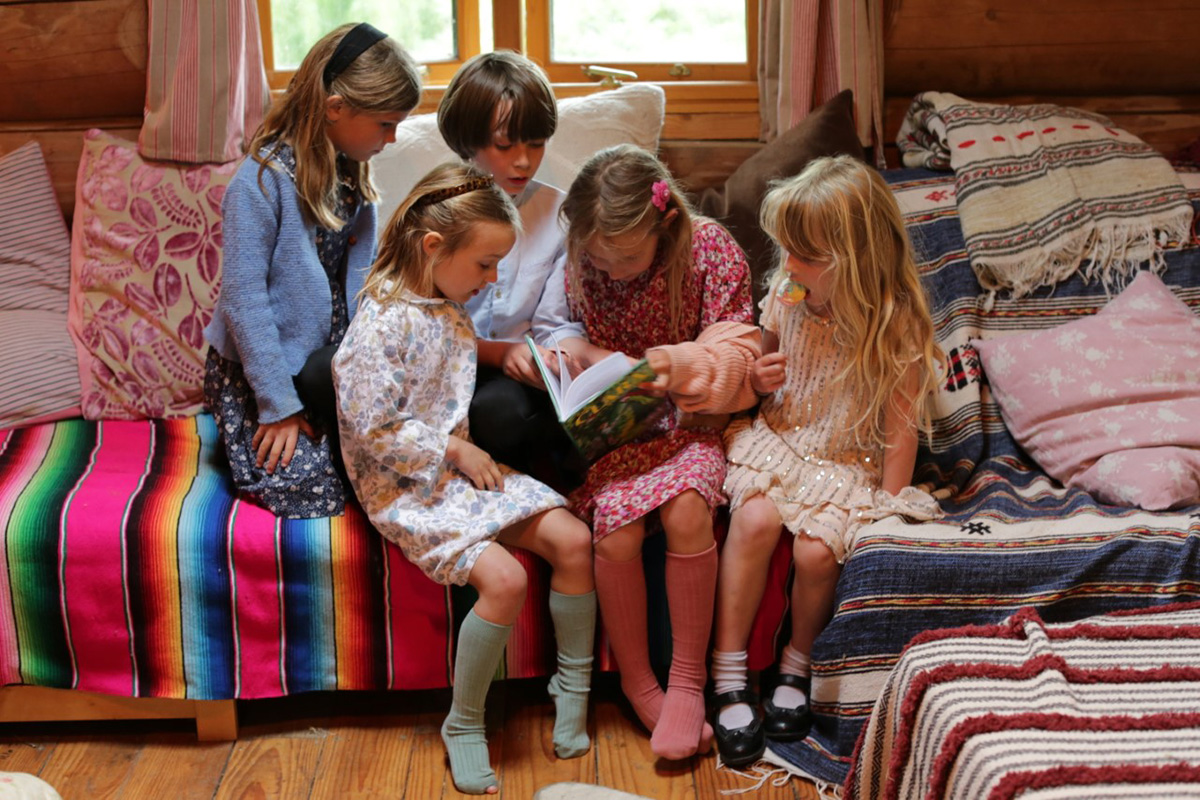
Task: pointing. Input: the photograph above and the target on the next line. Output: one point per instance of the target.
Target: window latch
(609, 77)
(680, 71)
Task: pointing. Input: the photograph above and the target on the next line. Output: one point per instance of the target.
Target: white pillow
(629, 114)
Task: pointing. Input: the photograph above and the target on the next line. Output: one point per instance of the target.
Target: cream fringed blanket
(1044, 190)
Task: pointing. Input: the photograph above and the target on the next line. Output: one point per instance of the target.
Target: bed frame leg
(216, 720)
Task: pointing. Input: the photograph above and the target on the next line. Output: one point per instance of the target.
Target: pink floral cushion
(1109, 403)
(145, 269)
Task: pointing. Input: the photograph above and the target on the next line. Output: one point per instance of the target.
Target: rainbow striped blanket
(1011, 538)
(131, 568)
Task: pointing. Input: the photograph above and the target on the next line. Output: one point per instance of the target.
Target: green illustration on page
(604, 406)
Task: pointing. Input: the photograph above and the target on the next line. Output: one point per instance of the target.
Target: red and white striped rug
(1104, 707)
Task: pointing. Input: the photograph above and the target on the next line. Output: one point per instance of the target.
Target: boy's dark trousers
(517, 426)
(314, 384)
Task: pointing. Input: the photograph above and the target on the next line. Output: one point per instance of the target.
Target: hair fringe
(481, 87)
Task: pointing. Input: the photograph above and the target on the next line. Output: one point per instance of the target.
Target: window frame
(524, 25)
(467, 35)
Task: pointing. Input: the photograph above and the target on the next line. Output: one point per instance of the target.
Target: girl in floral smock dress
(647, 279)
(404, 375)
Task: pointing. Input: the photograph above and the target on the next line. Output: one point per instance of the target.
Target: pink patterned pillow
(145, 269)
(1109, 403)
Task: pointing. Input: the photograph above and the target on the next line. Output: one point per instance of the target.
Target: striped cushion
(35, 251)
(1093, 708)
(39, 372)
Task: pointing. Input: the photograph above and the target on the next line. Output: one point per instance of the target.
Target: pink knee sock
(691, 589)
(621, 593)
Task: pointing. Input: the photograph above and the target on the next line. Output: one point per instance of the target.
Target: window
(660, 40)
(703, 52)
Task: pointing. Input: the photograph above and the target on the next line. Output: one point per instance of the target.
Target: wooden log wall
(1136, 61)
(68, 65)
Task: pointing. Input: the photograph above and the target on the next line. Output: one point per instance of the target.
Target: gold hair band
(438, 196)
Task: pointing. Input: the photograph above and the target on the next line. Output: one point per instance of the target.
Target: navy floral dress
(310, 485)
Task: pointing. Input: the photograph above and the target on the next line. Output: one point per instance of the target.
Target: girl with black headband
(405, 375)
(299, 235)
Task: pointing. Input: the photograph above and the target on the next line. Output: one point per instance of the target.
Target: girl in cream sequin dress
(834, 441)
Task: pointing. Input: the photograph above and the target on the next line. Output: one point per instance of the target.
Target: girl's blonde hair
(614, 194)
(451, 201)
(839, 210)
(384, 79)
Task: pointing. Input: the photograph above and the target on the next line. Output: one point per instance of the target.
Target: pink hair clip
(662, 193)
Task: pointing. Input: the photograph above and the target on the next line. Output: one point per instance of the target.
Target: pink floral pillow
(1109, 403)
(145, 269)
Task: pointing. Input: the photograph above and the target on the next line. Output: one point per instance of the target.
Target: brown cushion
(827, 130)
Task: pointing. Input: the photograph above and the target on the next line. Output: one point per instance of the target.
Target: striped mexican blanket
(1044, 190)
(132, 569)
(1105, 707)
(1011, 537)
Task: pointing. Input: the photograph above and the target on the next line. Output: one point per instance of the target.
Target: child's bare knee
(506, 585)
(572, 543)
(757, 525)
(812, 555)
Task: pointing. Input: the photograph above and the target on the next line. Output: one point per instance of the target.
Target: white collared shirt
(529, 295)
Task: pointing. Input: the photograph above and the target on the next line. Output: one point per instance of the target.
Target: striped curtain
(206, 87)
(809, 50)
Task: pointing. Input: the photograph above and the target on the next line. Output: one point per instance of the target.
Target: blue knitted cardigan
(275, 307)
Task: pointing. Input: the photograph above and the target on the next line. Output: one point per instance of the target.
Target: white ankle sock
(729, 675)
(793, 662)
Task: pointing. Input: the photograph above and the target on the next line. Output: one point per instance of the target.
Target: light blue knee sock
(480, 645)
(574, 618)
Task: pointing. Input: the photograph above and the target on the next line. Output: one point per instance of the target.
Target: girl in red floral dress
(648, 279)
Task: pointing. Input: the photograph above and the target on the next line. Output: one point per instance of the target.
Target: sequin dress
(309, 486)
(631, 317)
(799, 449)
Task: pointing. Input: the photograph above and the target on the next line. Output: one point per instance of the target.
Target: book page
(553, 387)
(592, 381)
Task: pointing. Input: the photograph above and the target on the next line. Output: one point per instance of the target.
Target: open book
(604, 406)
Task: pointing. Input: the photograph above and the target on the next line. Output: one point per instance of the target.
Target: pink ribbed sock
(621, 593)
(691, 589)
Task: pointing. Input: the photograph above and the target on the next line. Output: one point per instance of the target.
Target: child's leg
(691, 588)
(754, 530)
(813, 588)
(566, 543)
(621, 590)
(501, 581)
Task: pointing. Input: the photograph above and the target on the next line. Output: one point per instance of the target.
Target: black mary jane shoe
(738, 747)
(787, 724)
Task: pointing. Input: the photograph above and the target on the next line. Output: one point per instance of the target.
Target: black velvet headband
(352, 45)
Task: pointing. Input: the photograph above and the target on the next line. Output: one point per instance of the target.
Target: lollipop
(790, 293)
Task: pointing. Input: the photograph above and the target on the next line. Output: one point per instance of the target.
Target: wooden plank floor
(360, 746)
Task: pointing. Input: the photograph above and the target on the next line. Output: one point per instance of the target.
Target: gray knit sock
(574, 618)
(480, 645)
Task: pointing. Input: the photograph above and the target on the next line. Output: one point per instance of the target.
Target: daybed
(132, 569)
